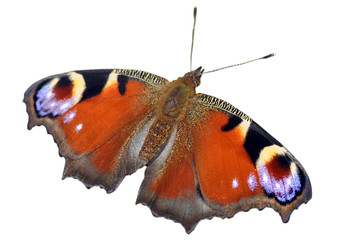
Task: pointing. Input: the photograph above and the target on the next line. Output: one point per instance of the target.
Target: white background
(308, 97)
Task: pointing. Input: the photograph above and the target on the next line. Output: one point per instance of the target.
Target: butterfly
(204, 157)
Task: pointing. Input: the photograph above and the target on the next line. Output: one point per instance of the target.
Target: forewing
(98, 118)
(240, 166)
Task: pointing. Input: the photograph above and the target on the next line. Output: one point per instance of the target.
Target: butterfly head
(194, 77)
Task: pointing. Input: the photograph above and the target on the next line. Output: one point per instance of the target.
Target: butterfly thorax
(175, 99)
(178, 97)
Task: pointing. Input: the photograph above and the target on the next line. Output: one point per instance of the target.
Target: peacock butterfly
(204, 157)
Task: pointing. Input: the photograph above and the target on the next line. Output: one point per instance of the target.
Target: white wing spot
(252, 182)
(78, 127)
(69, 116)
(235, 183)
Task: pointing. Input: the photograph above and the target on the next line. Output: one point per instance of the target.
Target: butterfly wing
(218, 162)
(98, 118)
(170, 187)
(240, 166)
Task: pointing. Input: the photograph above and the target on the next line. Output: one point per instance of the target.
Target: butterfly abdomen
(156, 138)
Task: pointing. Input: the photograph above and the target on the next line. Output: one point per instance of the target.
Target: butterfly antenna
(194, 26)
(238, 64)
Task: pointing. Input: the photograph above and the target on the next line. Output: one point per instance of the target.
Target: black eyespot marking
(284, 161)
(232, 123)
(122, 83)
(257, 138)
(64, 81)
(95, 81)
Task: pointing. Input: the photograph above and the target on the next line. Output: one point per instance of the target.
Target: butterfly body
(177, 98)
(204, 157)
